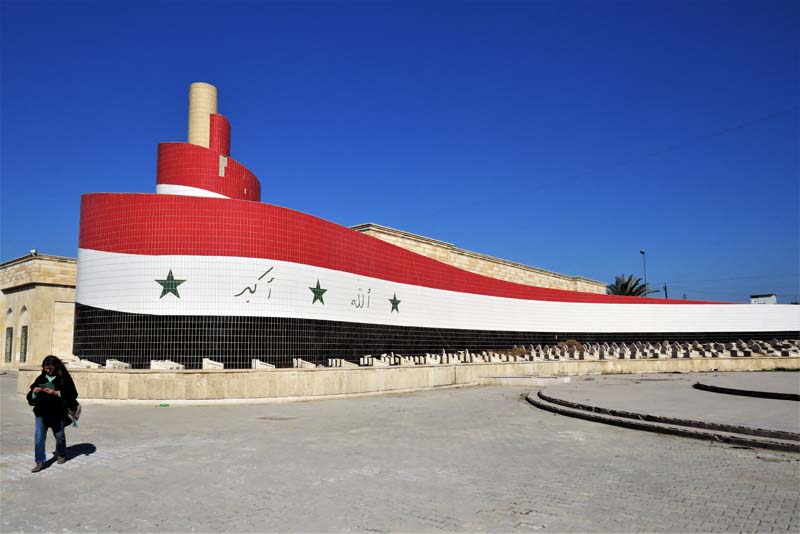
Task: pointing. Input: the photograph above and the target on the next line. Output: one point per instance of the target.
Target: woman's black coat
(52, 408)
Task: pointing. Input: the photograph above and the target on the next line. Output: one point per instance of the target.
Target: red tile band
(182, 225)
(199, 167)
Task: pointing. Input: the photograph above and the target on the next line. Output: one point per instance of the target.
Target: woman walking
(53, 396)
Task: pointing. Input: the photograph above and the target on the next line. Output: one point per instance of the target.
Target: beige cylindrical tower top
(202, 103)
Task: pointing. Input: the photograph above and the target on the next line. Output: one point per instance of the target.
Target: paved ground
(478, 459)
(672, 395)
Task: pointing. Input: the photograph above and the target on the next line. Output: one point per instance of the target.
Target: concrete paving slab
(477, 460)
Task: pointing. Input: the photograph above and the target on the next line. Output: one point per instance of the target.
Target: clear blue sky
(564, 135)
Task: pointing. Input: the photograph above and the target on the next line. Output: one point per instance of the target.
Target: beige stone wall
(63, 325)
(481, 263)
(38, 291)
(38, 269)
(289, 384)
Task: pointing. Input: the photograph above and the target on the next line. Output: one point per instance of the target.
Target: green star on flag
(170, 285)
(395, 303)
(318, 292)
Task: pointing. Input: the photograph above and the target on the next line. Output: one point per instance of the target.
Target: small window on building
(9, 341)
(23, 344)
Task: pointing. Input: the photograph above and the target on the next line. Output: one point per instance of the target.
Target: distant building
(769, 298)
(38, 305)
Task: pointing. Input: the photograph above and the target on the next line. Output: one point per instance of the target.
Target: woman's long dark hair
(55, 361)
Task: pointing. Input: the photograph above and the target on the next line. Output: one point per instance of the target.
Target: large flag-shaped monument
(203, 269)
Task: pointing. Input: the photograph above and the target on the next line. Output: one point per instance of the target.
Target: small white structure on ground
(769, 298)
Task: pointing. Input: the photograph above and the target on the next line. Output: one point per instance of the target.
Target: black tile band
(137, 339)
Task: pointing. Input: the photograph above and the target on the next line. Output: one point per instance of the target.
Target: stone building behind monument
(38, 303)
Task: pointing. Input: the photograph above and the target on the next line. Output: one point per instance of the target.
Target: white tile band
(250, 287)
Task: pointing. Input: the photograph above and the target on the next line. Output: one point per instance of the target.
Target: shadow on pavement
(73, 451)
(79, 449)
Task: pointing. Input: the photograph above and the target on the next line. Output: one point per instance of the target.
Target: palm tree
(630, 286)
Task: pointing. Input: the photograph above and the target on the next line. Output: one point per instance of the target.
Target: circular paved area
(478, 459)
(773, 382)
(672, 395)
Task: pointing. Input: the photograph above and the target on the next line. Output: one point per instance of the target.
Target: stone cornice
(37, 269)
(379, 229)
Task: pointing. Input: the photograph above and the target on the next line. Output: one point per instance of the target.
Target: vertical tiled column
(220, 136)
(202, 104)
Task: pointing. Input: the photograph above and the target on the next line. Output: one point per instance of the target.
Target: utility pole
(665, 291)
(644, 260)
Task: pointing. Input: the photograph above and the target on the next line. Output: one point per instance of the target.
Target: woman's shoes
(39, 467)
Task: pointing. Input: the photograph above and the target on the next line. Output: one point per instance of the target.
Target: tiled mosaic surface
(183, 276)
